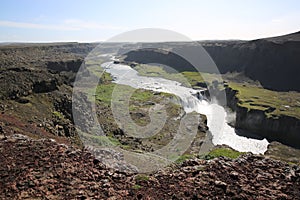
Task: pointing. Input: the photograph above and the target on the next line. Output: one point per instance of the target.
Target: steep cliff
(282, 128)
(274, 65)
(274, 62)
(36, 85)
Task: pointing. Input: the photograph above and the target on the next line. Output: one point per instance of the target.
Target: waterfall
(191, 100)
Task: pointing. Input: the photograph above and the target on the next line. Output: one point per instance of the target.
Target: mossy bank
(269, 114)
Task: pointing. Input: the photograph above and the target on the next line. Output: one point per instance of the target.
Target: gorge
(42, 153)
(222, 133)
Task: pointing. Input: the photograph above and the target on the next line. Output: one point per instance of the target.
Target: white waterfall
(222, 133)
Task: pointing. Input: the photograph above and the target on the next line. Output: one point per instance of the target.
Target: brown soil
(44, 169)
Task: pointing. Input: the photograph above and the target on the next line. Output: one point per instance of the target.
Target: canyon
(42, 152)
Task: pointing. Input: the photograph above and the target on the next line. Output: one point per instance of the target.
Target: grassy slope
(254, 97)
(187, 79)
(225, 152)
(250, 96)
(140, 102)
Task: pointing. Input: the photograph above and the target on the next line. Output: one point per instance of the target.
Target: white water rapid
(222, 133)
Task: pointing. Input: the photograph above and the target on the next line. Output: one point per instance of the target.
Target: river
(222, 133)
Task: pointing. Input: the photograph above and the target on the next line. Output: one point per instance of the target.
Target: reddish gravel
(44, 169)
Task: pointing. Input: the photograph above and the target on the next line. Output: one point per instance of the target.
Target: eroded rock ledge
(284, 129)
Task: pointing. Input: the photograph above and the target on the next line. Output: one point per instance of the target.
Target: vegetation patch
(194, 78)
(100, 140)
(136, 187)
(183, 158)
(140, 103)
(224, 152)
(272, 102)
(187, 78)
(58, 115)
(141, 177)
(158, 71)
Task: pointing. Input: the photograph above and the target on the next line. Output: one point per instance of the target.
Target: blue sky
(96, 20)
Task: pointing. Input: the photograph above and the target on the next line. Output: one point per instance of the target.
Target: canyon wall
(274, 64)
(284, 129)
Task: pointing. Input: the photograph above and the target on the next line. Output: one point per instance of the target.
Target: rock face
(150, 55)
(283, 152)
(274, 65)
(273, 62)
(284, 129)
(70, 65)
(44, 169)
(36, 85)
(44, 86)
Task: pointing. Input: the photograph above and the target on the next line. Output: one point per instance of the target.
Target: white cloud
(80, 24)
(33, 25)
(277, 21)
(67, 25)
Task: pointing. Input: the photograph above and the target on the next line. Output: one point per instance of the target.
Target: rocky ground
(41, 155)
(45, 169)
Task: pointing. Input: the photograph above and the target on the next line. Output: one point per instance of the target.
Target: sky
(99, 20)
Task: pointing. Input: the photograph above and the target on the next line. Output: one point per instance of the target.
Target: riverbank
(269, 114)
(191, 99)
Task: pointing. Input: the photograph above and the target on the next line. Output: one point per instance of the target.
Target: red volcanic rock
(44, 169)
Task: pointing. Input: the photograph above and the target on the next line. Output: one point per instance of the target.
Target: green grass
(58, 115)
(225, 152)
(100, 140)
(106, 77)
(139, 102)
(104, 90)
(141, 177)
(193, 78)
(104, 93)
(183, 158)
(187, 78)
(142, 95)
(136, 187)
(254, 97)
(158, 71)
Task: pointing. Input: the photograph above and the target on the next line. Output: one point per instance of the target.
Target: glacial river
(222, 133)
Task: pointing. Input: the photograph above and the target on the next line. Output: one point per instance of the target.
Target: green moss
(58, 114)
(136, 187)
(193, 78)
(142, 95)
(100, 140)
(94, 66)
(104, 93)
(158, 71)
(183, 158)
(141, 177)
(187, 78)
(254, 97)
(140, 102)
(225, 152)
(174, 109)
(106, 77)
(293, 163)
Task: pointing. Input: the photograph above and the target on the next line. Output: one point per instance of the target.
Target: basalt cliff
(274, 62)
(282, 128)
